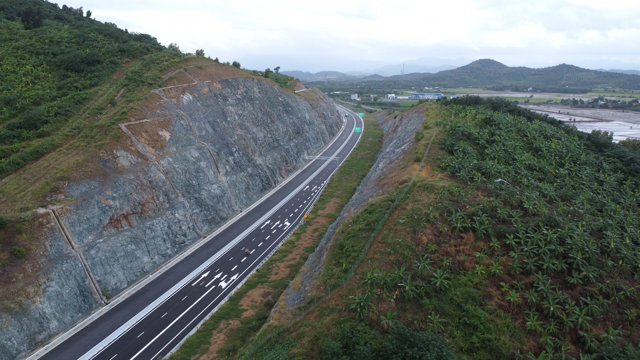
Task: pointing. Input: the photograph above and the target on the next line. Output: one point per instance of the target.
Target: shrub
(19, 252)
(403, 343)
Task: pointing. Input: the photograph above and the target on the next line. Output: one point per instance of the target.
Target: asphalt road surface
(150, 322)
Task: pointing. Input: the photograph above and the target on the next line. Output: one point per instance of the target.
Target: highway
(150, 322)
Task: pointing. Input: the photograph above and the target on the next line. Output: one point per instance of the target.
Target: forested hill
(52, 60)
(493, 75)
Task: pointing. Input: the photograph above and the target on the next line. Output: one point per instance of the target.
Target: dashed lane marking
(260, 244)
(163, 315)
(138, 337)
(184, 298)
(233, 268)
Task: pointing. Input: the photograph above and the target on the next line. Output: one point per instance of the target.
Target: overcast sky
(352, 35)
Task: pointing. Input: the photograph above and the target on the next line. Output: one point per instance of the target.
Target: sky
(355, 35)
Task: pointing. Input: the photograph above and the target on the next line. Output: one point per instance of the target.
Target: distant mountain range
(488, 74)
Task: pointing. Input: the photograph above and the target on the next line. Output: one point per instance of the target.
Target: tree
(31, 19)
(88, 14)
(200, 52)
(267, 72)
(236, 64)
(277, 69)
(173, 47)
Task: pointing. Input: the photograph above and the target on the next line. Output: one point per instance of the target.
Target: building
(429, 96)
(354, 97)
(391, 97)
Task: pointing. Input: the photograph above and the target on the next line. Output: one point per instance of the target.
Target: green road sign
(361, 114)
(358, 129)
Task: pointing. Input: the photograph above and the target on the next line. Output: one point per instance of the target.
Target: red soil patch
(281, 269)
(219, 338)
(254, 299)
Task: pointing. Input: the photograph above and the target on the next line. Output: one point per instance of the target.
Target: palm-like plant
(361, 304)
(440, 279)
(388, 319)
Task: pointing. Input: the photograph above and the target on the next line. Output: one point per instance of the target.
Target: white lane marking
(231, 258)
(201, 277)
(305, 202)
(138, 337)
(308, 198)
(244, 258)
(209, 283)
(305, 188)
(260, 244)
(296, 210)
(265, 224)
(267, 238)
(252, 251)
(222, 278)
(274, 231)
(286, 224)
(184, 297)
(223, 284)
(98, 348)
(233, 268)
(163, 315)
(113, 357)
(234, 277)
(275, 224)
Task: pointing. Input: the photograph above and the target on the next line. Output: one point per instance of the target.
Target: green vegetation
(284, 81)
(532, 251)
(560, 215)
(18, 252)
(53, 61)
(341, 187)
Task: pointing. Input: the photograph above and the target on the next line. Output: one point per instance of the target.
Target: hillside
(492, 75)
(498, 234)
(54, 63)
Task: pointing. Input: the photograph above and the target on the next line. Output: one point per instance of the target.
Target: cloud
(347, 35)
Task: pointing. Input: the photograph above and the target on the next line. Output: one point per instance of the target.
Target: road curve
(152, 321)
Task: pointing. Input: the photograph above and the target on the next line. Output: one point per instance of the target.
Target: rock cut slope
(207, 143)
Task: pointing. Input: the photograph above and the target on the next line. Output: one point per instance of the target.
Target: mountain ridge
(491, 74)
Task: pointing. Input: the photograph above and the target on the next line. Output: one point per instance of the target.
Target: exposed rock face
(201, 153)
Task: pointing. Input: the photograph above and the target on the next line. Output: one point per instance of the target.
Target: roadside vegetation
(519, 238)
(247, 310)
